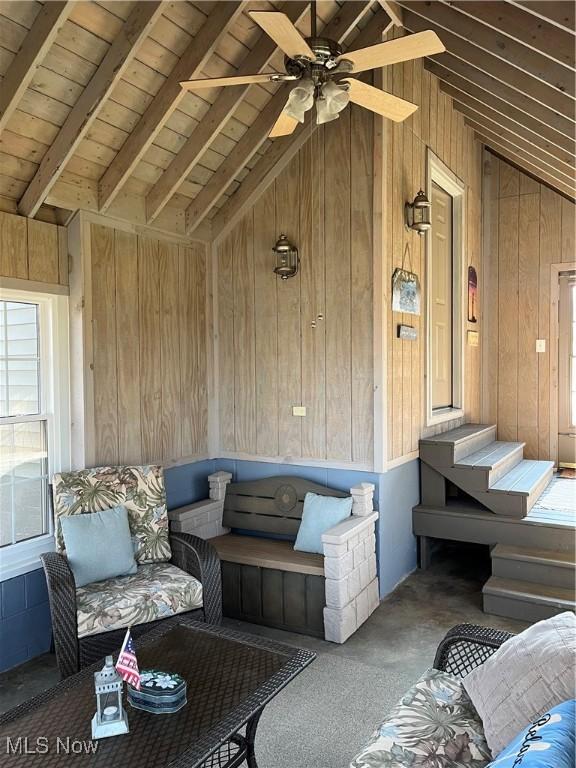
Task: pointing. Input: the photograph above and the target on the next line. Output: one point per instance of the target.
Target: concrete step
(525, 601)
(537, 566)
(481, 469)
(445, 449)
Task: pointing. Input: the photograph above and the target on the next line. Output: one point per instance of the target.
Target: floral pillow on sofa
(433, 726)
(139, 489)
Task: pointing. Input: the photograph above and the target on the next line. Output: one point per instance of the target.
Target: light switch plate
(473, 338)
(540, 345)
(298, 410)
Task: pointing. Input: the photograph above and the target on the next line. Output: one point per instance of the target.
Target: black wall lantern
(418, 213)
(287, 260)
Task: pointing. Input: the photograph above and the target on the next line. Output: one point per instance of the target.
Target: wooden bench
(264, 580)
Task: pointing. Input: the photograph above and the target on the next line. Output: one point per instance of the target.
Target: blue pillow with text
(548, 742)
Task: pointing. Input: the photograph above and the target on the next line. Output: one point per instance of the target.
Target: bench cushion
(434, 725)
(267, 553)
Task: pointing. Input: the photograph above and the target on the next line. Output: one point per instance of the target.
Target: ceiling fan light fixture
(301, 99)
(332, 100)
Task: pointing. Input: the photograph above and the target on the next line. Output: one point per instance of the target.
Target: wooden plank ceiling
(92, 116)
(509, 67)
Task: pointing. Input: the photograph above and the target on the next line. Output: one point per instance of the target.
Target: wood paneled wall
(33, 250)
(149, 348)
(306, 340)
(438, 126)
(527, 228)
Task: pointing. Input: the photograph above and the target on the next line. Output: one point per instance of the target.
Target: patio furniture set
(173, 605)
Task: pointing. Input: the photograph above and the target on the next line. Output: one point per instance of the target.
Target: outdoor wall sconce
(287, 260)
(418, 213)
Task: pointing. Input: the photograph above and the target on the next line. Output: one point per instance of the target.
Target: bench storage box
(264, 580)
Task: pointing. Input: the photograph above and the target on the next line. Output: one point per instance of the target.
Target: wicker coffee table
(230, 678)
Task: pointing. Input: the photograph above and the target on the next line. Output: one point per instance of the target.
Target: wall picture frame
(405, 292)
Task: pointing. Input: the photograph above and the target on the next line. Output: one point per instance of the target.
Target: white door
(567, 370)
(441, 310)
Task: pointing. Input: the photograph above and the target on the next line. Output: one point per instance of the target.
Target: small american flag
(127, 664)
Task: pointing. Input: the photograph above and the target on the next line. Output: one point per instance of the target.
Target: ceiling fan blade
(284, 126)
(378, 101)
(215, 82)
(279, 27)
(394, 51)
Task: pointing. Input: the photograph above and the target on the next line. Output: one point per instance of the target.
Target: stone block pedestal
(350, 572)
(203, 518)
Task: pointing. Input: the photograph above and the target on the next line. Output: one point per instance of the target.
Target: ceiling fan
(321, 72)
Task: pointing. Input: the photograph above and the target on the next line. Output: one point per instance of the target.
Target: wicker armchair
(190, 555)
(466, 646)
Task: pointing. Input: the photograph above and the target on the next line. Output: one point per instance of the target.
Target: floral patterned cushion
(433, 726)
(139, 489)
(155, 591)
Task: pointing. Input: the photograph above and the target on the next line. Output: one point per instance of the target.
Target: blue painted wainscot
(25, 629)
(397, 491)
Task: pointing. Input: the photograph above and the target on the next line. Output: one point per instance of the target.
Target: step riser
(439, 455)
(510, 505)
(492, 529)
(537, 492)
(534, 572)
(499, 502)
(523, 610)
(472, 445)
(506, 504)
(482, 479)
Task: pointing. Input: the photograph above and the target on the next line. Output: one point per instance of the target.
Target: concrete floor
(329, 711)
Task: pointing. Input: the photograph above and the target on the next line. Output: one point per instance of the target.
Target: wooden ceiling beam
(269, 167)
(37, 42)
(506, 19)
(213, 121)
(561, 170)
(556, 144)
(166, 101)
(494, 66)
(561, 13)
(394, 11)
(456, 71)
(74, 192)
(508, 152)
(495, 43)
(84, 112)
(508, 119)
(258, 132)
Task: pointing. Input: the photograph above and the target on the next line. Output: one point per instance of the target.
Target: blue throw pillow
(98, 545)
(549, 742)
(319, 514)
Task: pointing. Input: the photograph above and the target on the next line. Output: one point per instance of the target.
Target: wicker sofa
(152, 594)
(435, 723)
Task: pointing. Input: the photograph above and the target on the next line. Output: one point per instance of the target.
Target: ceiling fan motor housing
(326, 52)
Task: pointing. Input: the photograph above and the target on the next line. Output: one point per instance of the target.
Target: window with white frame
(34, 422)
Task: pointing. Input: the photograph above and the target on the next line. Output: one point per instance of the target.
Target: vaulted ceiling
(92, 115)
(509, 67)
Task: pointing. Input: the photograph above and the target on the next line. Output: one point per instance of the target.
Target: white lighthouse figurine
(110, 718)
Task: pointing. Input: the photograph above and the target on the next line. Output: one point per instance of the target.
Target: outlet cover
(540, 345)
(298, 410)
